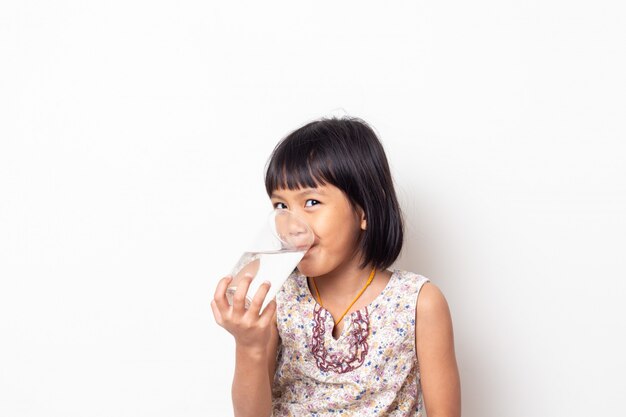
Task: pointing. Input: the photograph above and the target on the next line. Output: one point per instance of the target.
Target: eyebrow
(304, 191)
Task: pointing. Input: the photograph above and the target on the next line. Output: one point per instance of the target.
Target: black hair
(346, 153)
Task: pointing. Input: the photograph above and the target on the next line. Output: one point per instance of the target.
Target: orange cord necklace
(369, 280)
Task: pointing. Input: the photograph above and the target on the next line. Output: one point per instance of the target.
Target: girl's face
(335, 224)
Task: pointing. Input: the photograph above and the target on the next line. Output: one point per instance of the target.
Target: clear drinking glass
(273, 254)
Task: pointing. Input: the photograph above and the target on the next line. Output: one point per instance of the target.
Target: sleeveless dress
(370, 370)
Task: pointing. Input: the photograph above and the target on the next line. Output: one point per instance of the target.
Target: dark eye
(276, 206)
(307, 205)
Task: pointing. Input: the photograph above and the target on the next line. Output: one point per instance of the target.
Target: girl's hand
(250, 329)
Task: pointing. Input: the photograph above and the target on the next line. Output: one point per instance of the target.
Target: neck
(343, 282)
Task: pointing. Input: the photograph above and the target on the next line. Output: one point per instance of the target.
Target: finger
(216, 313)
(268, 313)
(259, 297)
(220, 293)
(239, 298)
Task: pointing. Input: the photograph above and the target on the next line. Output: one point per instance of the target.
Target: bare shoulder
(434, 343)
(433, 321)
(431, 302)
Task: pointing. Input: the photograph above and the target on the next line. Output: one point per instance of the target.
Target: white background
(134, 136)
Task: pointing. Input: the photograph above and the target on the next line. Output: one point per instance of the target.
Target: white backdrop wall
(133, 137)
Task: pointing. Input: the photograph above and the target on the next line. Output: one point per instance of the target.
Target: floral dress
(370, 370)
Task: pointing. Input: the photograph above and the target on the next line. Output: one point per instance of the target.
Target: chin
(306, 268)
(310, 268)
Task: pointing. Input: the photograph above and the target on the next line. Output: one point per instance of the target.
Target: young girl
(344, 334)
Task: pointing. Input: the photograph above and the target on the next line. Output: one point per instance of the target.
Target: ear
(363, 220)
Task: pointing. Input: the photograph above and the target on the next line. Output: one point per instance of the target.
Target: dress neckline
(348, 316)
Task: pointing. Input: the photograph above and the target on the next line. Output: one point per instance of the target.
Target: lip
(309, 251)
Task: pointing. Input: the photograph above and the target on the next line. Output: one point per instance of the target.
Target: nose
(296, 226)
(300, 239)
(294, 231)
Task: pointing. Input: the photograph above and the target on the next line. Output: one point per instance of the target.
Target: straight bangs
(298, 164)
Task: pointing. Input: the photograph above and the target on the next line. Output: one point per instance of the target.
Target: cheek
(338, 235)
(336, 220)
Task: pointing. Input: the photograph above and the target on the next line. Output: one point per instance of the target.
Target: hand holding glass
(273, 255)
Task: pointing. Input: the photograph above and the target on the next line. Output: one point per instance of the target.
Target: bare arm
(251, 390)
(256, 343)
(254, 375)
(434, 341)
